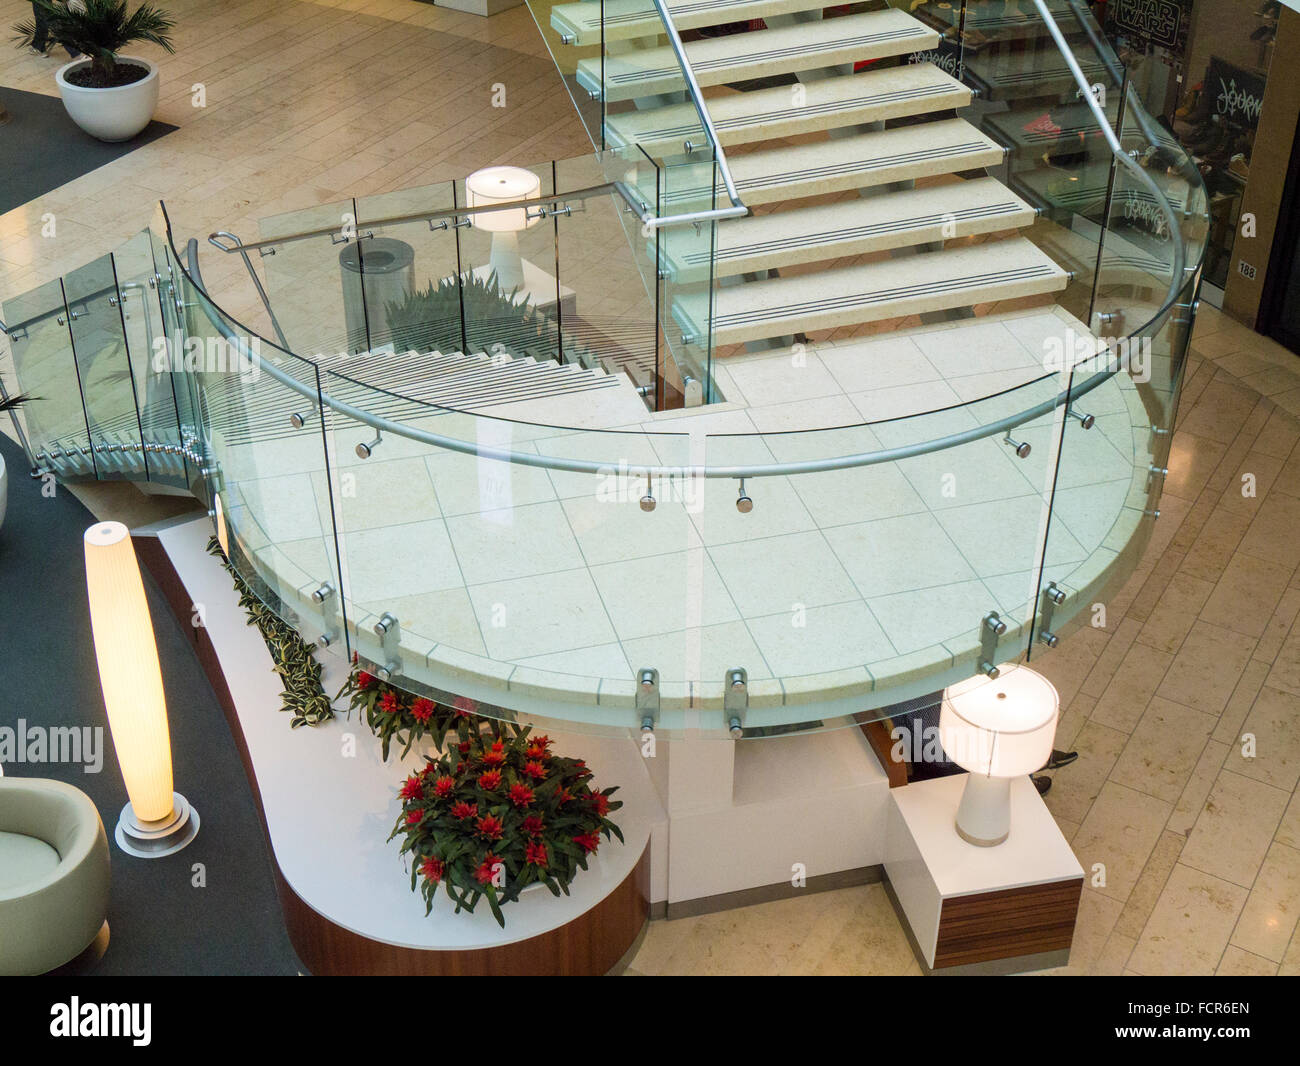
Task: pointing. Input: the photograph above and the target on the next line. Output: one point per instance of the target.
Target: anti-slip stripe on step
(772, 180)
(1028, 77)
(835, 303)
(865, 165)
(772, 55)
(789, 114)
(676, 10)
(861, 166)
(841, 235)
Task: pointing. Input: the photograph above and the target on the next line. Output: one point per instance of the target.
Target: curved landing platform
(328, 803)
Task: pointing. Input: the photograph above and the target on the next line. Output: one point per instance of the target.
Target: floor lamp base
(153, 840)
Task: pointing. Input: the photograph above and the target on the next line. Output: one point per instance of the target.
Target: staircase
(828, 121)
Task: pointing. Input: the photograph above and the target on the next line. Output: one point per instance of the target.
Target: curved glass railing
(687, 570)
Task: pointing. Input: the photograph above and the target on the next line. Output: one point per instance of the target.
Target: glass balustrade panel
(45, 369)
(108, 384)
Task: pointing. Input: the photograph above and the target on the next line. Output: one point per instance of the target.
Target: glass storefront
(1202, 66)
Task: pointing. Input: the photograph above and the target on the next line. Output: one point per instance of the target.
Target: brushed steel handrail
(586, 466)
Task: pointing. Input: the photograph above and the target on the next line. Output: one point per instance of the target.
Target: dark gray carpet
(42, 148)
(160, 923)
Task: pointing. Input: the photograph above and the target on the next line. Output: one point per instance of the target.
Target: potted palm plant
(110, 96)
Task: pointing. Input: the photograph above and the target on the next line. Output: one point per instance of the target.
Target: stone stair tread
(1022, 74)
(627, 19)
(764, 114)
(791, 172)
(888, 289)
(848, 227)
(758, 54)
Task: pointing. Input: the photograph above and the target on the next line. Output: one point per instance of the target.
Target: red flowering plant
(393, 713)
(495, 814)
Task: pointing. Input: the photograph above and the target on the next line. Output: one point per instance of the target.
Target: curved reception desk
(328, 804)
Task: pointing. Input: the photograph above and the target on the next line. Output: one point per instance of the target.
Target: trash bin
(376, 271)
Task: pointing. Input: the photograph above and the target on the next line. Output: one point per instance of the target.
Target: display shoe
(1043, 784)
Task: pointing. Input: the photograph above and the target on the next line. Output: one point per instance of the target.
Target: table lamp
(155, 821)
(996, 728)
(503, 185)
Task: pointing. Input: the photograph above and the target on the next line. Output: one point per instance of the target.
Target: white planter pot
(116, 114)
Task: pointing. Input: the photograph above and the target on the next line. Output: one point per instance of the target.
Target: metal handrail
(1116, 70)
(737, 208)
(418, 216)
(586, 466)
(1176, 279)
(257, 282)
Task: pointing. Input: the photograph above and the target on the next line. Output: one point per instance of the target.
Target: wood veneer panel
(877, 734)
(590, 945)
(999, 925)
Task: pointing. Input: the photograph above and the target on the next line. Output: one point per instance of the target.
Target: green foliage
(429, 318)
(302, 695)
(392, 714)
(493, 815)
(98, 29)
(12, 403)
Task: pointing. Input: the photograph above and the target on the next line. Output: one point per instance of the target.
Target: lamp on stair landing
(503, 185)
(996, 728)
(155, 821)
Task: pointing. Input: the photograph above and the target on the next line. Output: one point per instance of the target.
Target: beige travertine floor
(1200, 844)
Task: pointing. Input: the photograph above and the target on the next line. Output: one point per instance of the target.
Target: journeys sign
(1235, 94)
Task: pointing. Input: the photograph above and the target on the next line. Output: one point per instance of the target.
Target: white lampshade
(997, 728)
(502, 185)
(156, 817)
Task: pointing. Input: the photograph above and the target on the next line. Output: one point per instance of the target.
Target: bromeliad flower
(490, 780)
(490, 826)
(422, 709)
(412, 789)
(521, 795)
(444, 787)
(365, 680)
(600, 804)
(487, 869)
(535, 854)
(389, 703)
(433, 869)
(535, 770)
(532, 825)
(463, 810)
(588, 842)
(414, 817)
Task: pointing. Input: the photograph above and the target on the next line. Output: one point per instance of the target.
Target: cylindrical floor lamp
(156, 821)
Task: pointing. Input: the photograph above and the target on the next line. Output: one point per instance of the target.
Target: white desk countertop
(329, 815)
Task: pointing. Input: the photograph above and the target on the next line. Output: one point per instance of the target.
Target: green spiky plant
(429, 318)
(98, 29)
(12, 403)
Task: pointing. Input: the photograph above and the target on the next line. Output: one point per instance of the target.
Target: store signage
(1236, 94)
(947, 57)
(1155, 21)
